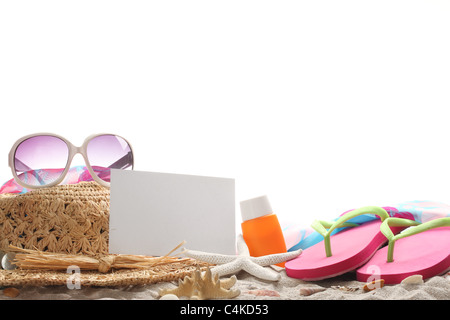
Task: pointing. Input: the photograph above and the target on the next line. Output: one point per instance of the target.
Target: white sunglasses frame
(73, 150)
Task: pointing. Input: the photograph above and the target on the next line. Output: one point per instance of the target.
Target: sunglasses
(43, 160)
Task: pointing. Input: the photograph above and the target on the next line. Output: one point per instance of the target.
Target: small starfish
(230, 264)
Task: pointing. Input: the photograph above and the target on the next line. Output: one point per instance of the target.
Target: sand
(436, 288)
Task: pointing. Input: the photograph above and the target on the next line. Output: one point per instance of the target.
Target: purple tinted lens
(40, 160)
(109, 152)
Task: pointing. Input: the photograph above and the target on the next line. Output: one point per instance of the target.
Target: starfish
(230, 264)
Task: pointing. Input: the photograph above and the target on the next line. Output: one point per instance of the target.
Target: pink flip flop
(351, 247)
(427, 253)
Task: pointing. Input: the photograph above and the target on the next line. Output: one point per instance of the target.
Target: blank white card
(151, 213)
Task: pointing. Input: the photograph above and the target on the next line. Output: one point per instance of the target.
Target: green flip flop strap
(325, 228)
(416, 227)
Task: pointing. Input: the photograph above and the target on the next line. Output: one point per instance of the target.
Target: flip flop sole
(351, 248)
(426, 254)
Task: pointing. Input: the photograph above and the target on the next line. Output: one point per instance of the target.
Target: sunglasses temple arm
(19, 165)
(123, 162)
(24, 168)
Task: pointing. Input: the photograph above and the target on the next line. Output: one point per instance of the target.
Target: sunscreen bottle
(261, 229)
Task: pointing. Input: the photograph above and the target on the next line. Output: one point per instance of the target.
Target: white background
(323, 106)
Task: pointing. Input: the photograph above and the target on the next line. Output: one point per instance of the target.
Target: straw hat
(72, 222)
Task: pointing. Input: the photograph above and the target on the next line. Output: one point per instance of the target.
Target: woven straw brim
(166, 273)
